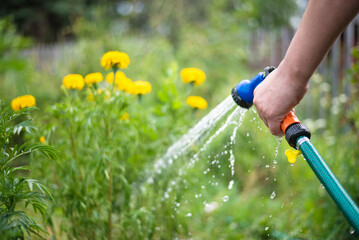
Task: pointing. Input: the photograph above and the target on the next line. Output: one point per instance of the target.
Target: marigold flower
(122, 82)
(115, 59)
(22, 102)
(42, 139)
(73, 81)
(197, 102)
(140, 87)
(125, 116)
(193, 75)
(93, 78)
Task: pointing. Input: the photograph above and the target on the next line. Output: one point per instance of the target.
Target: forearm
(322, 23)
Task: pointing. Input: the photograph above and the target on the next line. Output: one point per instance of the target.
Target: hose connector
(294, 131)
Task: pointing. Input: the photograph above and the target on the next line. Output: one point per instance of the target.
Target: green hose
(330, 182)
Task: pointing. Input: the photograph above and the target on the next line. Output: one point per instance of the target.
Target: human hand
(277, 95)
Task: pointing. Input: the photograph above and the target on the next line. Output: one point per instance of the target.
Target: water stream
(199, 131)
(194, 148)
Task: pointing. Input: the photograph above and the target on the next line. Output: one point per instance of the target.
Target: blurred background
(230, 40)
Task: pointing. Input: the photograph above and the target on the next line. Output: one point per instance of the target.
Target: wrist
(294, 75)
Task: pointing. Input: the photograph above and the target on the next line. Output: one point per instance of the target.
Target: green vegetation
(102, 185)
(16, 189)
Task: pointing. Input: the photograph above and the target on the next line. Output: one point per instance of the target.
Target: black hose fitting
(295, 131)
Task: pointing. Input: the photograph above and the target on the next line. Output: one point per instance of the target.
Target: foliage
(10, 44)
(14, 188)
(44, 21)
(108, 140)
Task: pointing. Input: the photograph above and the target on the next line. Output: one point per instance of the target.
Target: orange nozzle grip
(289, 120)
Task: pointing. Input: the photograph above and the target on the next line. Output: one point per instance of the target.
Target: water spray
(297, 136)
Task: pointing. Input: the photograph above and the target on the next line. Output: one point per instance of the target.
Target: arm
(322, 22)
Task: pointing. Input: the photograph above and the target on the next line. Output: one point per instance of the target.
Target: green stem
(109, 198)
(114, 79)
(110, 178)
(73, 144)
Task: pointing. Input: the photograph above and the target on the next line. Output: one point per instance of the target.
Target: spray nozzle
(242, 94)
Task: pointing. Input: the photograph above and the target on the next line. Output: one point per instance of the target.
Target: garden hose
(297, 135)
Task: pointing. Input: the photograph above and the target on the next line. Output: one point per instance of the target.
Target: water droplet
(230, 186)
(225, 198)
(266, 228)
(189, 215)
(273, 195)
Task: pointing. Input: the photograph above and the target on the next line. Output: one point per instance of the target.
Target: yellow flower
(93, 78)
(22, 102)
(122, 82)
(115, 59)
(125, 84)
(73, 81)
(195, 75)
(42, 139)
(197, 102)
(125, 116)
(140, 87)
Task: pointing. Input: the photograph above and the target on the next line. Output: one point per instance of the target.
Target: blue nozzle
(242, 93)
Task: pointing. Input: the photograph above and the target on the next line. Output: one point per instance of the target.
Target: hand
(277, 95)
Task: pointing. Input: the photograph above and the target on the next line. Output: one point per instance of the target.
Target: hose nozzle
(242, 94)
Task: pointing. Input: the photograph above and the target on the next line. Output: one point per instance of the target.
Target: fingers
(273, 125)
(274, 128)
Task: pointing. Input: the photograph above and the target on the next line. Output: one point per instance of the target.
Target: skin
(322, 23)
